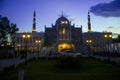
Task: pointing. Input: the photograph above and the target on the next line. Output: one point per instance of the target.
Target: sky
(105, 14)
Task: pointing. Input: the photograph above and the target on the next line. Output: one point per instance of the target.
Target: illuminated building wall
(65, 35)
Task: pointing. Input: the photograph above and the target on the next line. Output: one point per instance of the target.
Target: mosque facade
(64, 36)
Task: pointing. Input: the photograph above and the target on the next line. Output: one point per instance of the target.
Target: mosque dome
(62, 20)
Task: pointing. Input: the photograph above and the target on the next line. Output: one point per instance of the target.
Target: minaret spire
(89, 22)
(62, 13)
(34, 22)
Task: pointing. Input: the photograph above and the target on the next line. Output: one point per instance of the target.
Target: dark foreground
(45, 69)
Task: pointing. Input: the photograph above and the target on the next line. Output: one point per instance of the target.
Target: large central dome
(62, 19)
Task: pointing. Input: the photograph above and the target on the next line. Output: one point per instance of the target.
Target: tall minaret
(34, 22)
(89, 23)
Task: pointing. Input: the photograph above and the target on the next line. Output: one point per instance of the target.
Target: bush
(68, 62)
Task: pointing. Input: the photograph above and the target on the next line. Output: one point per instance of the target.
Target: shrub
(68, 62)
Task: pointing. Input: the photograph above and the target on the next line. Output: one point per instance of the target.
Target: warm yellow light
(64, 22)
(2, 45)
(34, 30)
(90, 41)
(23, 36)
(105, 35)
(18, 45)
(89, 30)
(87, 41)
(110, 35)
(65, 46)
(37, 41)
(28, 36)
(63, 31)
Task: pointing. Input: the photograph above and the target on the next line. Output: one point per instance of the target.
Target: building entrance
(65, 46)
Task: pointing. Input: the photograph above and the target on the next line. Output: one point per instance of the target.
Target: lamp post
(38, 43)
(26, 36)
(89, 41)
(18, 48)
(108, 37)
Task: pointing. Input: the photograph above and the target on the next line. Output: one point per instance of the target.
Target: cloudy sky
(105, 14)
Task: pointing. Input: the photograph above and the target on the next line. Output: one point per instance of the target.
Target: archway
(65, 46)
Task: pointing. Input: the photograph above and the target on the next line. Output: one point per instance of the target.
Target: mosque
(63, 36)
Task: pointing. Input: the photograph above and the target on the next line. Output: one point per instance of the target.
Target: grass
(45, 69)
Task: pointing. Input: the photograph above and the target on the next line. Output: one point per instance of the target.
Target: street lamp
(108, 37)
(26, 36)
(38, 43)
(18, 47)
(89, 41)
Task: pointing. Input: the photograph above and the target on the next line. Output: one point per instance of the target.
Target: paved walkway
(115, 59)
(9, 62)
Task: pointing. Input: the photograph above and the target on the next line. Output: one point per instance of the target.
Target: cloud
(114, 29)
(110, 27)
(111, 9)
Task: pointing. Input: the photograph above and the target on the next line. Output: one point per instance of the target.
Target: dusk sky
(105, 14)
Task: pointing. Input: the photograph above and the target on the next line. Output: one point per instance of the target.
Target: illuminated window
(60, 32)
(63, 30)
(64, 22)
(65, 46)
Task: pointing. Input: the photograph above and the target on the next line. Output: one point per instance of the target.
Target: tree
(114, 40)
(119, 37)
(11, 32)
(7, 31)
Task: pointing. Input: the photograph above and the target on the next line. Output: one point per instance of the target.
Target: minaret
(34, 22)
(89, 23)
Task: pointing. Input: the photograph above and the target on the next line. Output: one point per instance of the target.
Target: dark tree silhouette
(7, 31)
(114, 40)
(119, 37)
